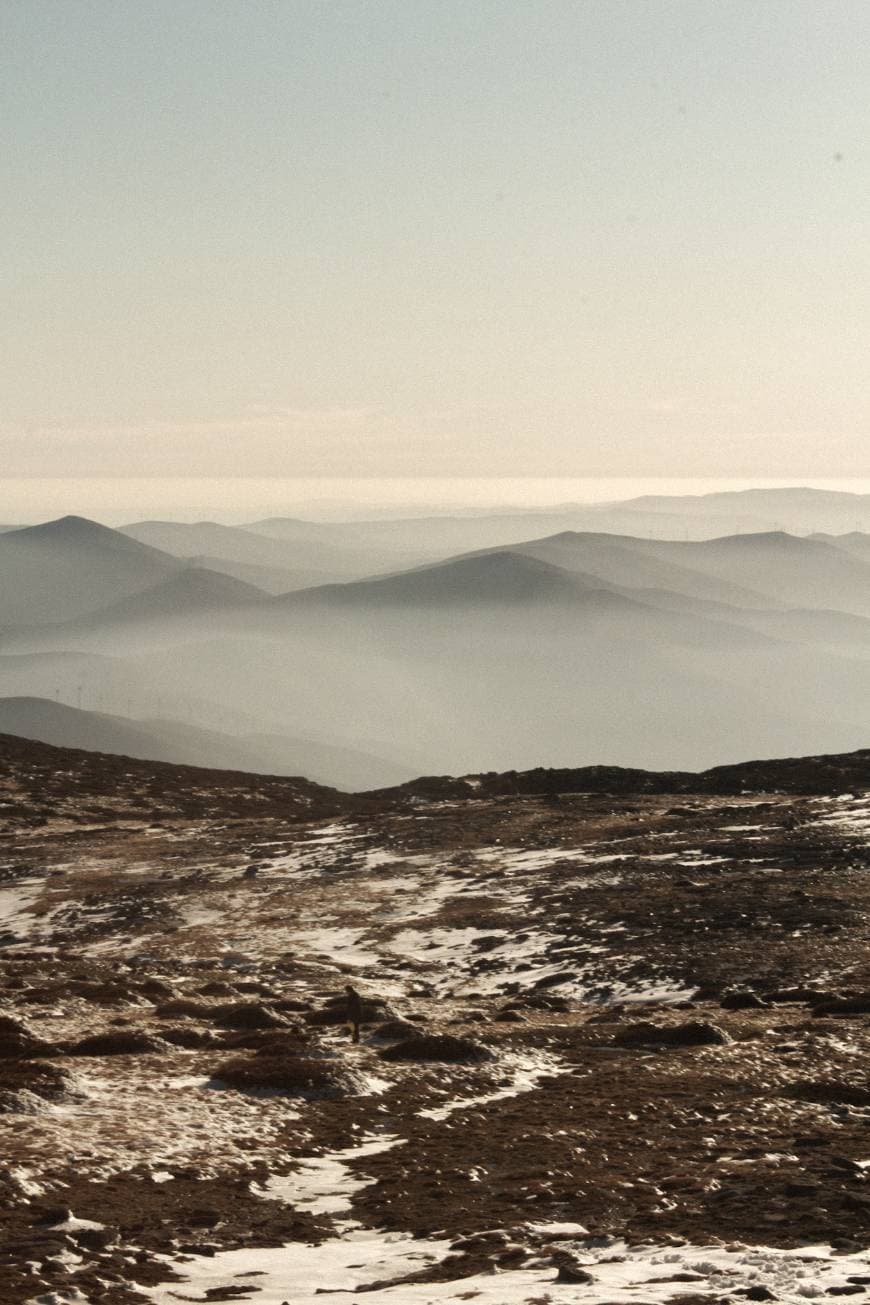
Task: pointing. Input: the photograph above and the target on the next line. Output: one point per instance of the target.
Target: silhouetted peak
(74, 531)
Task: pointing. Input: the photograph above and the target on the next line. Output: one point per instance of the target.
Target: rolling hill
(505, 578)
(181, 743)
(770, 570)
(71, 566)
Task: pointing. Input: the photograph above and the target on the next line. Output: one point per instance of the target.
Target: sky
(434, 238)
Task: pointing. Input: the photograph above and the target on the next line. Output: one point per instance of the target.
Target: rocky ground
(615, 1040)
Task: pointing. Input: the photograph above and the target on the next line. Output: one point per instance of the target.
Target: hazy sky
(439, 237)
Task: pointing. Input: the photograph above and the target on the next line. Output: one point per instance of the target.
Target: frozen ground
(540, 931)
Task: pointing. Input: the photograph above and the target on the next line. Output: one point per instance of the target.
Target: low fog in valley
(670, 632)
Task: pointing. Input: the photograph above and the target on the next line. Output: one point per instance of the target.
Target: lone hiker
(354, 1010)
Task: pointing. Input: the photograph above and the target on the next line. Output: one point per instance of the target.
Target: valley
(485, 644)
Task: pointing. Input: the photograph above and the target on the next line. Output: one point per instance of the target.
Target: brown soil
(527, 896)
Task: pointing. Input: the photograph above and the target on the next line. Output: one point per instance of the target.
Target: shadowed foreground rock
(438, 1047)
(694, 1033)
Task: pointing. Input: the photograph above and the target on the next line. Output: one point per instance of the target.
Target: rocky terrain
(614, 1045)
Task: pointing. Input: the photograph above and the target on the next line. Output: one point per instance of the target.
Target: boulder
(121, 1043)
(188, 1037)
(16, 1039)
(394, 1031)
(31, 1079)
(570, 1271)
(741, 999)
(185, 1007)
(248, 1015)
(289, 1073)
(857, 1005)
(438, 1047)
(694, 1033)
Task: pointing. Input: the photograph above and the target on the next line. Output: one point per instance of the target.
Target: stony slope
(647, 1006)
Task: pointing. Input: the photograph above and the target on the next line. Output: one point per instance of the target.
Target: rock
(288, 1072)
(511, 1017)
(859, 1005)
(157, 988)
(610, 1015)
(121, 1043)
(217, 988)
(511, 1255)
(477, 1241)
(94, 1239)
(554, 980)
(741, 999)
(184, 1006)
(52, 1214)
(248, 1015)
(189, 1038)
(570, 1271)
(16, 1040)
(267, 1042)
(798, 995)
(694, 1033)
(394, 1031)
(759, 1292)
(438, 1047)
(487, 942)
(103, 993)
(825, 1092)
(539, 1001)
(843, 1162)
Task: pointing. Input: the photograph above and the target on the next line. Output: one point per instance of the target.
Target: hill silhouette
(181, 743)
(64, 568)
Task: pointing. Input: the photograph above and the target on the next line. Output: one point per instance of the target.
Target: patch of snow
(745, 829)
(621, 1274)
(15, 907)
(524, 1070)
(325, 1184)
(72, 1296)
(342, 946)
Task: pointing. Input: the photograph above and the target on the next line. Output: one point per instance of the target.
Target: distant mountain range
(551, 648)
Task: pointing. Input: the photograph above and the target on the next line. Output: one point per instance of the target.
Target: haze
(390, 239)
(406, 386)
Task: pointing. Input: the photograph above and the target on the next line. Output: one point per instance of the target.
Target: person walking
(353, 1011)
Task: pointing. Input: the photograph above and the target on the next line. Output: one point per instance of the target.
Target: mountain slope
(595, 981)
(181, 743)
(185, 594)
(626, 562)
(772, 569)
(64, 568)
(314, 554)
(504, 578)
